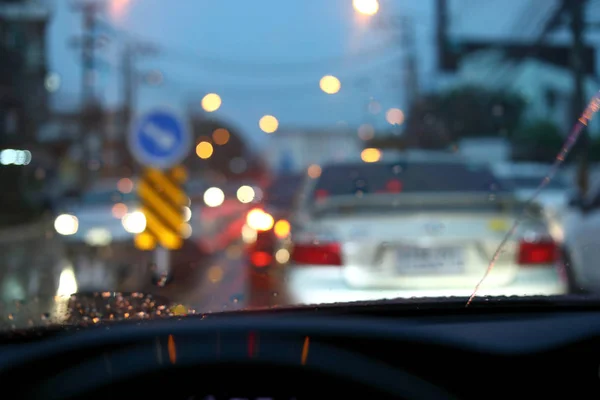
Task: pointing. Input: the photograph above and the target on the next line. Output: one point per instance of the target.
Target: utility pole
(89, 113)
(577, 27)
(442, 32)
(403, 29)
(129, 83)
(411, 76)
(131, 78)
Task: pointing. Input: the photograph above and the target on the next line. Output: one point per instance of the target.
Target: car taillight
(317, 253)
(537, 252)
(259, 220)
(261, 259)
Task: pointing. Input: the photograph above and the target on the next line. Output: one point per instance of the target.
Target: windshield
(250, 154)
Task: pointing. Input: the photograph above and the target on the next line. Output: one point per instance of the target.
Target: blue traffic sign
(160, 139)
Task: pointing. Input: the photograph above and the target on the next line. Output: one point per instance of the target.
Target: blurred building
(485, 149)
(546, 87)
(294, 150)
(23, 105)
(23, 69)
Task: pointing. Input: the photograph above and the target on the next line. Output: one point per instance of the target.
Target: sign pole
(160, 140)
(162, 261)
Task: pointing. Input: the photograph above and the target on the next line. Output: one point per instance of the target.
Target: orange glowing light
(305, 348)
(282, 228)
(268, 124)
(172, 350)
(221, 136)
(314, 171)
(370, 155)
(145, 241)
(204, 150)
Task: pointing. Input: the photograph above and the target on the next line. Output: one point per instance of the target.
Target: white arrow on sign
(162, 137)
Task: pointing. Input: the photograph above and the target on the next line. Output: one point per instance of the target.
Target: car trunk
(425, 240)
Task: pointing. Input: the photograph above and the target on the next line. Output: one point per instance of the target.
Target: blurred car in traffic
(98, 227)
(582, 228)
(526, 178)
(267, 232)
(420, 225)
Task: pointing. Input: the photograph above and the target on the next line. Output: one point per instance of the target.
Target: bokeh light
(221, 136)
(282, 228)
(282, 256)
(314, 171)
(119, 210)
(366, 7)
(134, 222)
(366, 132)
(394, 116)
(215, 274)
(259, 220)
(370, 155)
(66, 224)
(204, 150)
(330, 84)
(214, 197)
(211, 102)
(145, 241)
(125, 185)
(186, 231)
(268, 124)
(245, 194)
(187, 214)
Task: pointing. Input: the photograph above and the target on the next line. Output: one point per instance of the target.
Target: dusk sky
(267, 56)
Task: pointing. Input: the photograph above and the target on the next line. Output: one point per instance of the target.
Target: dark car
(268, 252)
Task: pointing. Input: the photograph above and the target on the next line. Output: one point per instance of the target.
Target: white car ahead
(412, 227)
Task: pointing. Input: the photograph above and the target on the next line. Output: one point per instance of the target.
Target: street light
(268, 124)
(211, 102)
(366, 7)
(330, 84)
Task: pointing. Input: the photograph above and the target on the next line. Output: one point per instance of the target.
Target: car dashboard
(323, 352)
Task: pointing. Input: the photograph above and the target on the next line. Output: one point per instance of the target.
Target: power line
(248, 68)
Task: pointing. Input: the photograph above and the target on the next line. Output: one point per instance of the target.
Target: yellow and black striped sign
(163, 198)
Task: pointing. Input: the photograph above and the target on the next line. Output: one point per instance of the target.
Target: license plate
(430, 260)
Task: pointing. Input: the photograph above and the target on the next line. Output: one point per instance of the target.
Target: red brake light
(393, 186)
(317, 254)
(540, 252)
(321, 194)
(261, 259)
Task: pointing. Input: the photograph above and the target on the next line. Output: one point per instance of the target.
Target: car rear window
(282, 191)
(407, 177)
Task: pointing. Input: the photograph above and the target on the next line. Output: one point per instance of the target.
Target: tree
(438, 120)
(539, 141)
